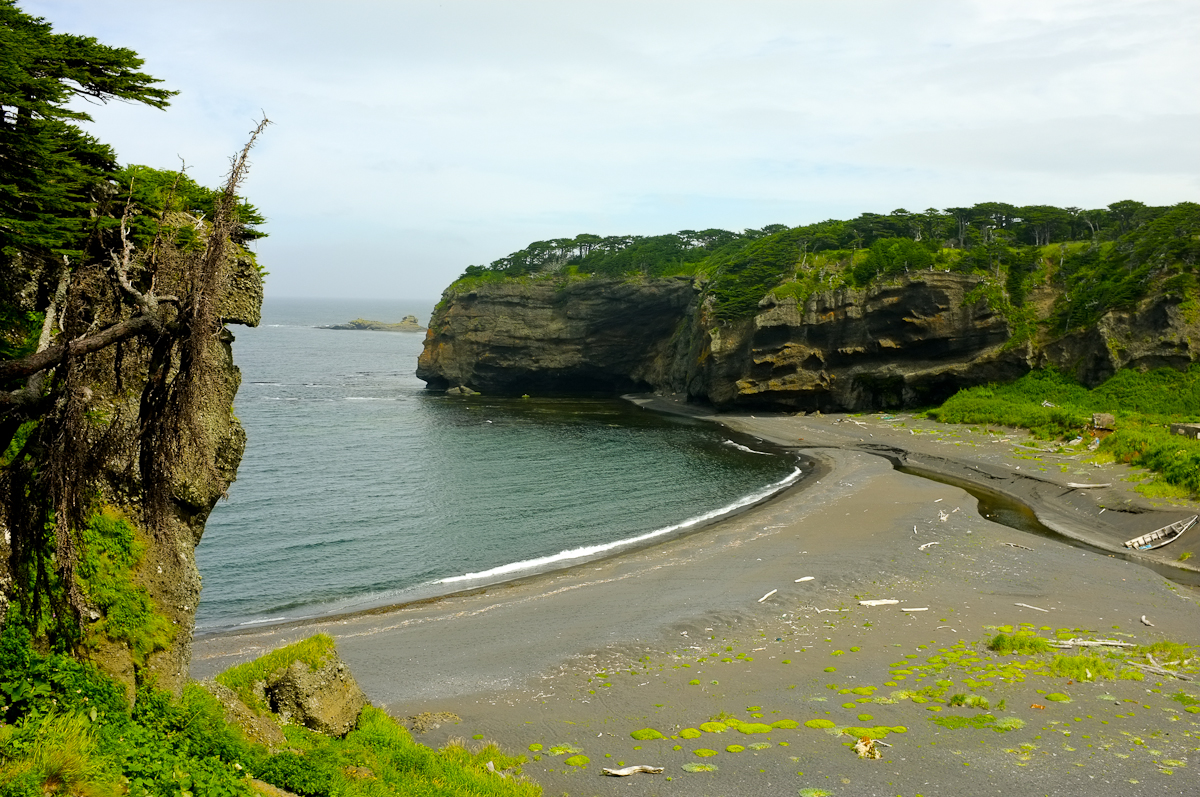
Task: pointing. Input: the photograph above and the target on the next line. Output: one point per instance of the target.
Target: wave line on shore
(592, 550)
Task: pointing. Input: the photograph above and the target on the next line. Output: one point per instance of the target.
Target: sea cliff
(905, 341)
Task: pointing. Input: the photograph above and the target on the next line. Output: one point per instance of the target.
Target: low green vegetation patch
(690, 733)
(647, 733)
(67, 729)
(109, 553)
(1028, 644)
(314, 652)
(699, 767)
(1053, 406)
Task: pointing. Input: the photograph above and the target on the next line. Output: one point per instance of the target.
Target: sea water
(360, 488)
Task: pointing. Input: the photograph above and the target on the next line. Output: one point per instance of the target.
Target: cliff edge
(909, 340)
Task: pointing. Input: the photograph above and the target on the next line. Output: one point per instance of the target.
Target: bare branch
(27, 366)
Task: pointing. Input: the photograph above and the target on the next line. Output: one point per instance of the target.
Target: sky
(411, 139)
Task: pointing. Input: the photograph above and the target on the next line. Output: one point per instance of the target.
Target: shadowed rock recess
(909, 341)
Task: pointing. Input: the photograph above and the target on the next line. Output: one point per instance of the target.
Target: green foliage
(67, 730)
(1142, 402)
(314, 652)
(157, 193)
(1028, 644)
(1115, 276)
(1083, 668)
(109, 553)
(1114, 256)
(50, 166)
(889, 257)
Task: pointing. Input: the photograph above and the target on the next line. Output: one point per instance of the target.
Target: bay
(360, 488)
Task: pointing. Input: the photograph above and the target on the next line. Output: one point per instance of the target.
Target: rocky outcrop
(137, 625)
(914, 340)
(327, 699)
(407, 324)
(544, 337)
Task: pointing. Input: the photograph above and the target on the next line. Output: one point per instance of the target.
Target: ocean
(359, 488)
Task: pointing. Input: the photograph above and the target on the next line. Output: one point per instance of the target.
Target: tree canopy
(50, 169)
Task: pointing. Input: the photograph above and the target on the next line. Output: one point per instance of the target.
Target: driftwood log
(627, 771)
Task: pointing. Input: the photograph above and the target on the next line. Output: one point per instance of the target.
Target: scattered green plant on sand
(735, 748)
(690, 733)
(1058, 697)
(699, 767)
(704, 752)
(577, 761)
(1027, 644)
(647, 733)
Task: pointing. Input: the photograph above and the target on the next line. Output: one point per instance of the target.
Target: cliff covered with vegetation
(117, 433)
(875, 312)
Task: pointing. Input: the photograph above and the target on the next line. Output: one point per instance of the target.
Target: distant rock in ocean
(407, 324)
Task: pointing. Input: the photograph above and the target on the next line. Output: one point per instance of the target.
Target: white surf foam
(593, 550)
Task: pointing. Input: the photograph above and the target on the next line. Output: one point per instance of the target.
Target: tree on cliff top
(49, 168)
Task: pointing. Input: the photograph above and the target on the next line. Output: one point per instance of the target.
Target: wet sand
(716, 622)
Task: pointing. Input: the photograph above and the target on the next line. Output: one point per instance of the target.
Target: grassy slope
(66, 729)
(1144, 404)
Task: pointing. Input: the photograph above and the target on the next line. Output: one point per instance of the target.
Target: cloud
(414, 138)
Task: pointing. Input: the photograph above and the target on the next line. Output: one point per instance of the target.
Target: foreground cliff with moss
(876, 312)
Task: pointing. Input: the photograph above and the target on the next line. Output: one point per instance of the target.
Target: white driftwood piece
(1092, 643)
(1075, 486)
(926, 545)
(769, 594)
(626, 771)
(880, 602)
(1027, 606)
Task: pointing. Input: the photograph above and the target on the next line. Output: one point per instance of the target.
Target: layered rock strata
(915, 340)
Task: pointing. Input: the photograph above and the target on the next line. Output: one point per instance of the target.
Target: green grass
(1027, 644)
(67, 729)
(109, 554)
(314, 652)
(1143, 404)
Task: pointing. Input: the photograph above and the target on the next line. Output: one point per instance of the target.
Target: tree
(50, 168)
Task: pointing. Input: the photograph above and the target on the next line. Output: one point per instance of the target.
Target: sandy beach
(759, 618)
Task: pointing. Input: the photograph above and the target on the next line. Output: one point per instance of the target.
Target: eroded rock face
(327, 700)
(913, 341)
(541, 337)
(115, 390)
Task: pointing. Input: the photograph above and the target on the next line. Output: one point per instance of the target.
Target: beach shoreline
(703, 624)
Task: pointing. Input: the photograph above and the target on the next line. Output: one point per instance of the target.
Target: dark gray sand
(717, 623)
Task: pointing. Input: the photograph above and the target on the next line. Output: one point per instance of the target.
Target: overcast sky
(412, 139)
